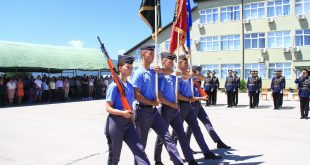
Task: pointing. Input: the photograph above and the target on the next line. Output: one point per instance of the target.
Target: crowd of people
(33, 90)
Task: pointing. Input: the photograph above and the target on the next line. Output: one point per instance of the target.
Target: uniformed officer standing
(229, 88)
(170, 111)
(208, 86)
(147, 115)
(283, 85)
(119, 126)
(276, 89)
(186, 98)
(303, 82)
(236, 88)
(252, 89)
(202, 115)
(216, 86)
(259, 86)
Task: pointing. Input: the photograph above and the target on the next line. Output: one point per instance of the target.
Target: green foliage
(242, 86)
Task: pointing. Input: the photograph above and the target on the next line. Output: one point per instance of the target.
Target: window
(202, 17)
(230, 42)
(209, 43)
(278, 8)
(254, 10)
(226, 67)
(209, 16)
(302, 6)
(210, 67)
(136, 55)
(231, 13)
(254, 40)
(167, 45)
(261, 68)
(281, 39)
(285, 67)
(302, 37)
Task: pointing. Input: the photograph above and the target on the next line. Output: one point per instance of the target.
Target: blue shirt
(144, 80)
(252, 84)
(208, 83)
(229, 83)
(276, 84)
(114, 96)
(166, 86)
(185, 87)
(303, 86)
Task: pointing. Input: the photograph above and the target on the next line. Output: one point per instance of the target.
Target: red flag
(179, 25)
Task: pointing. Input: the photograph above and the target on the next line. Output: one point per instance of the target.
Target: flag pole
(177, 77)
(156, 50)
(191, 69)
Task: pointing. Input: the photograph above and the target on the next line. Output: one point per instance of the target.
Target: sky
(77, 22)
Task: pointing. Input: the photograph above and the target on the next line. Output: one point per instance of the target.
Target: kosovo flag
(147, 14)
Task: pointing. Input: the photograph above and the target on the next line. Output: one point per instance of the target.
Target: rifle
(201, 92)
(116, 79)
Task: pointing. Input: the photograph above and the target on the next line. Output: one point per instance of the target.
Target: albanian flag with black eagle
(147, 14)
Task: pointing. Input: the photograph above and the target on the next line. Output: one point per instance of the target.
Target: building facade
(242, 35)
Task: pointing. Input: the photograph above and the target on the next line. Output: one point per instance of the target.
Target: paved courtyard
(73, 133)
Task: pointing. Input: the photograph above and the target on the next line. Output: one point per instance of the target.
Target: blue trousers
(119, 129)
(147, 118)
(204, 118)
(172, 117)
(187, 114)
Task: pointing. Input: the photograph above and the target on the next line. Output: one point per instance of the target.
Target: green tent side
(16, 56)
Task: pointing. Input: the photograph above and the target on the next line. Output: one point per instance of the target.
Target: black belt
(145, 106)
(180, 101)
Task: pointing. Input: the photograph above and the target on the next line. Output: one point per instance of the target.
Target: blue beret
(148, 47)
(167, 55)
(125, 59)
(183, 57)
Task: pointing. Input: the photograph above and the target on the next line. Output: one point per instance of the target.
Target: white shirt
(10, 85)
(59, 84)
(38, 83)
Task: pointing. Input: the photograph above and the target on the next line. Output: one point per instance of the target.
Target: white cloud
(76, 43)
(121, 51)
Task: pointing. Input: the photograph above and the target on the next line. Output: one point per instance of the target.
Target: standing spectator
(59, 87)
(276, 89)
(96, 87)
(303, 82)
(38, 86)
(208, 87)
(2, 92)
(20, 91)
(84, 87)
(229, 88)
(52, 88)
(66, 88)
(110, 80)
(72, 90)
(45, 94)
(90, 87)
(78, 87)
(10, 90)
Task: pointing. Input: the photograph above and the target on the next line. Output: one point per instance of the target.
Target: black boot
(159, 163)
(193, 162)
(210, 155)
(221, 144)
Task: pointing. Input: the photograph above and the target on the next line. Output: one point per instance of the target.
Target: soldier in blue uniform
(119, 126)
(303, 82)
(252, 89)
(170, 111)
(259, 86)
(208, 86)
(186, 98)
(283, 85)
(202, 115)
(276, 89)
(229, 88)
(236, 88)
(216, 86)
(147, 115)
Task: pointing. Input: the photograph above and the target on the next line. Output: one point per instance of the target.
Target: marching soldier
(203, 117)
(119, 126)
(147, 115)
(216, 86)
(259, 86)
(229, 88)
(186, 98)
(208, 86)
(303, 82)
(236, 88)
(252, 89)
(276, 89)
(283, 85)
(170, 111)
